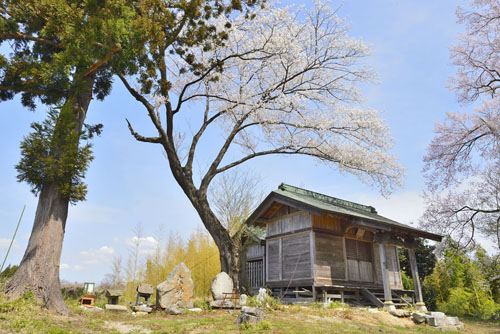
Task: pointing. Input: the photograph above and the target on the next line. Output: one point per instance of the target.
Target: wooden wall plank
(296, 257)
(273, 260)
(326, 222)
(295, 222)
(393, 267)
(273, 228)
(329, 259)
(312, 250)
(365, 271)
(254, 251)
(353, 268)
(359, 260)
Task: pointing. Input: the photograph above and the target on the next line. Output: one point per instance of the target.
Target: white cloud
(405, 207)
(96, 256)
(147, 245)
(106, 250)
(78, 267)
(116, 239)
(64, 266)
(4, 243)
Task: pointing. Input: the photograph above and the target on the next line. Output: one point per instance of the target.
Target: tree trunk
(39, 268)
(229, 247)
(230, 261)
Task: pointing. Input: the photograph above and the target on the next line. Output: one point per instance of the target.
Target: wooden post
(420, 305)
(388, 304)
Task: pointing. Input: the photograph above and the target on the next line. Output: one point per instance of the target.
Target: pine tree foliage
(47, 158)
(65, 53)
(54, 43)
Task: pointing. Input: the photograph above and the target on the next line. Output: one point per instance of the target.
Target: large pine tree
(61, 55)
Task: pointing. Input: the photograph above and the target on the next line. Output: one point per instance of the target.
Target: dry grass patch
(25, 316)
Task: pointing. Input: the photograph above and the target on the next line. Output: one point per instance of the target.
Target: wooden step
(372, 298)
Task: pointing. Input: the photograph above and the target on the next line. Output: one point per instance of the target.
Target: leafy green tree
(426, 259)
(62, 54)
(460, 285)
(8, 272)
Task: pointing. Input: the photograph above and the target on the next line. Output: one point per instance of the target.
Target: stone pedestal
(389, 306)
(438, 320)
(115, 308)
(420, 307)
(142, 308)
(253, 315)
(222, 304)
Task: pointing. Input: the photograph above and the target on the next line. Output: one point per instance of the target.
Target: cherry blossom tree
(281, 82)
(462, 164)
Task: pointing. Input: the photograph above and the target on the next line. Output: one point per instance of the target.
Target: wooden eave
(261, 216)
(258, 217)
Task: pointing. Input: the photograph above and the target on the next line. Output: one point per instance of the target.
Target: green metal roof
(319, 204)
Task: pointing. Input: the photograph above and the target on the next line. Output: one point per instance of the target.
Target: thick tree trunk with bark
(39, 268)
(229, 247)
(230, 261)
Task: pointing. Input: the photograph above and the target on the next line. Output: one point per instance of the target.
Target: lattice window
(358, 250)
(255, 272)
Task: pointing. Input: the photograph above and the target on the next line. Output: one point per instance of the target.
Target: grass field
(24, 316)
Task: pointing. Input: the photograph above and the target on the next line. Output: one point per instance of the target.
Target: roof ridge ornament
(328, 199)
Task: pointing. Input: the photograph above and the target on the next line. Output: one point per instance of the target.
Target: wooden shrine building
(318, 247)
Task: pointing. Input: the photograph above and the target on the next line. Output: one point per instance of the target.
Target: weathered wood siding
(273, 228)
(376, 264)
(255, 251)
(287, 224)
(326, 223)
(273, 257)
(393, 268)
(359, 260)
(329, 257)
(288, 254)
(295, 222)
(296, 258)
(301, 246)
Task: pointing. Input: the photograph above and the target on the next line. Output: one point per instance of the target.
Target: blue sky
(129, 182)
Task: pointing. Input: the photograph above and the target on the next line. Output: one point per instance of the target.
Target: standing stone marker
(243, 300)
(177, 290)
(262, 296)
(221, 284)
